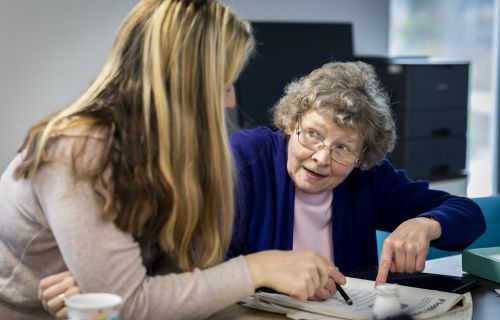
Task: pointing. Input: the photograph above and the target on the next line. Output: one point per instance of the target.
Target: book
(416, 302)
(482, 262)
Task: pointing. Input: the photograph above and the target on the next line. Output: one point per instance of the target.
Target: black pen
(343, 294)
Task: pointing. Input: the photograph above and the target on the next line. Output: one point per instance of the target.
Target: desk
(486, 303)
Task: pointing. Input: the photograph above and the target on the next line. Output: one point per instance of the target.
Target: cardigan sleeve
(398, 198)
(103, 258)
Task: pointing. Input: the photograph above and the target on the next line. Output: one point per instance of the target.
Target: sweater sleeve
(102, 258)
(399, 198)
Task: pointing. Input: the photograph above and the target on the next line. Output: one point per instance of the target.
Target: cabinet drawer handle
(441, 132)
(442, 86)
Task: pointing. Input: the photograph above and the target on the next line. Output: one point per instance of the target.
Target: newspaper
(419, 303)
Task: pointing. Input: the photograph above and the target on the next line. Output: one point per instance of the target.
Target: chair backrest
(491, 238)
(491, 210)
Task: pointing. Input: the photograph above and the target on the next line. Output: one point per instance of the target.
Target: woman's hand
(406, 248)
(300, 274)
(329, 289)
(53, 291)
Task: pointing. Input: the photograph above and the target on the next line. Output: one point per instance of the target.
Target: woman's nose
(322, 157)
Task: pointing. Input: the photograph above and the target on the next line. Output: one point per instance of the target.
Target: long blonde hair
(159, 97)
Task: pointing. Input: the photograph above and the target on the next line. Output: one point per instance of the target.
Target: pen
(343, 294)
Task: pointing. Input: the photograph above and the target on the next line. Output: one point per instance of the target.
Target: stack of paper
(419, 303)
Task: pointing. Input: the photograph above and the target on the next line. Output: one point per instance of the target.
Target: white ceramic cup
(94, 306)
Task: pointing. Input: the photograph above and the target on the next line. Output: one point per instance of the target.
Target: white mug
(94, 306)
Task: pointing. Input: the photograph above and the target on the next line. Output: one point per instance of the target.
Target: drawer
(437, 86)
(432, 123)
(431, 158)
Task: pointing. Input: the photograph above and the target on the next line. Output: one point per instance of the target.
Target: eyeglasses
(312, 140)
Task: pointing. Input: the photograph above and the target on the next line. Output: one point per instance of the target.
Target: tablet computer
(420, 280)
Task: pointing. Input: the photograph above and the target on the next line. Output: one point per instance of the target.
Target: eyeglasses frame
(356, 158)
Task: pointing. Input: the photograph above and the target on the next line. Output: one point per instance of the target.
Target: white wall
(50, 50)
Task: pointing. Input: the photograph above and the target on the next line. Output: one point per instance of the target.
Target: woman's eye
(312, 133)
(342, 147)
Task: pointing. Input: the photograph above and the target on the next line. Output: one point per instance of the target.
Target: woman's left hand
(53, 291)
(406, 248)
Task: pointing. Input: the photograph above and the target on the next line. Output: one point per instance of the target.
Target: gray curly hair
(352, 96)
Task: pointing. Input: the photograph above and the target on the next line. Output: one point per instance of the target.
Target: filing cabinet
(429, 99)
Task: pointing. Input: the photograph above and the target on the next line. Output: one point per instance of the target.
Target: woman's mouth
(312, 174)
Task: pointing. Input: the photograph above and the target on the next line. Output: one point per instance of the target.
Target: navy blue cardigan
(380, 198)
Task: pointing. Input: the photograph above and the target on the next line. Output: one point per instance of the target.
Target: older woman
(321, 182)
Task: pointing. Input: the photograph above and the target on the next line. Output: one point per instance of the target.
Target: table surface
(486, 302)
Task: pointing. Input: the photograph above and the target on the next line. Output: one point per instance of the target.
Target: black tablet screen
(420, 280)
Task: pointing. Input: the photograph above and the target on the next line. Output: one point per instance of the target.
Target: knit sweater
(52, 223)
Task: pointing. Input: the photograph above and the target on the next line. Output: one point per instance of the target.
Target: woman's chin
(308, 187)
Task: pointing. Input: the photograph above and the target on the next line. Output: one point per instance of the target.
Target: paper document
(419, 303)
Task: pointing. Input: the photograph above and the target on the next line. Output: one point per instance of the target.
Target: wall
(52, 49)
(50, 52)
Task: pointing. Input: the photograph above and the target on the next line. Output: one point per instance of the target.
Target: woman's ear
(230, 98)
(290, 130)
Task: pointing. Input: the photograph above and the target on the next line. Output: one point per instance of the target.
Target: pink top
(312, 227)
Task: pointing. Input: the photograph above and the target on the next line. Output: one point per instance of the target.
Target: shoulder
(383, 175)
(258, 138)
(83, 148)
(256, 135)
(385, 167)
(259, 149)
